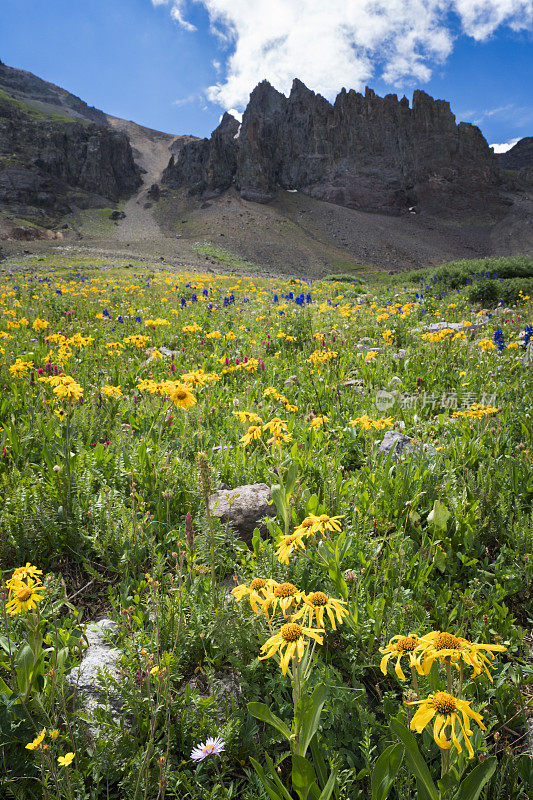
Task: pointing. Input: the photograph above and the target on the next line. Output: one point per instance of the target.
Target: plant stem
(414, 681)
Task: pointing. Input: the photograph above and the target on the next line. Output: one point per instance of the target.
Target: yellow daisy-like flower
(111, 391)
(442, 646)
(284, 595)
(257, 592)
(317, 422)
(68, 389)
(248, 416)
(65, 760)
(400, 646)
(321, 524)
(20, 368)
(316, 603)
(253, 432)
(446, 709)
(279, 438)
(23, 595)
(287, 544)
(182, 397)
(37, 741)
(28, 571)
(276, 426)
(292, 638)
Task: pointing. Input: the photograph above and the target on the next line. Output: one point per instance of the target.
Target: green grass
(226, 258)
(36, 113)
(455, 274)
(107, 497)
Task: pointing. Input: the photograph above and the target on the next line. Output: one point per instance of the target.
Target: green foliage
(107, 498)
(455, 274)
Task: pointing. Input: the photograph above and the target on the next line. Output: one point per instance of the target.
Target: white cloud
(329, 44)
(503, 147)
(184, 101)
(176, 12)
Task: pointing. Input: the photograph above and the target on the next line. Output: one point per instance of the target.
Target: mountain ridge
(72, 172)
(361, 151)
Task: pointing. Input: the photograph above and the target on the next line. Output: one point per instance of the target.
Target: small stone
(398, 445)
(244, 508)
(292, 380)
(98, 660)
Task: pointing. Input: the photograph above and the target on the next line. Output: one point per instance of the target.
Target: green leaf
(262, 712)
(439, 516)
(310, 716)
(318, 761)
(256, 542)
(267, 785)
(440, 559)
(472, 786)
(416, 763)
(24, 667)
(275, 778)
(303, 776)
(330, 785)
(4, 644)
(291, 478)
(385, 770)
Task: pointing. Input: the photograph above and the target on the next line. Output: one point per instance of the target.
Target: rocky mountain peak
(363, 151)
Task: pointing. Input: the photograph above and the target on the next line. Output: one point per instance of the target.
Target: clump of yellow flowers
(447, 710)
(24, 587)
(299, 609)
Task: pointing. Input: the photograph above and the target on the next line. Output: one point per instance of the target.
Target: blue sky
(175, 65)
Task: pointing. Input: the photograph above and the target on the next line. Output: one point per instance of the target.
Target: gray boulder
(244, 507)
(292, 380)
(88, 679)
(398, 445)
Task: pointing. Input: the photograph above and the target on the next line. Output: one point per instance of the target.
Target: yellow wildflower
(446, 709)
(315, 604)
(35, 745)
(293, 638)
(111, 391)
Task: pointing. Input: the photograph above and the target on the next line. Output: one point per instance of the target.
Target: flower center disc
(444, 703)
(407, 644)
(24, 594)
(291, 632)
(285, 590)
(258, 583)
(447, 641)
(318, 598)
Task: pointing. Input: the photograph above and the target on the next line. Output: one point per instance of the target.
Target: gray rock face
(86, 678)
(244, 507)
(46, 155)
(518, 157)
(395, 444)
(292, 380)
(206, 164)
(398, 445)
(362, 151)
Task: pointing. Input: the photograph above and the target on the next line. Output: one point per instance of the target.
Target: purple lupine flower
(212, 747)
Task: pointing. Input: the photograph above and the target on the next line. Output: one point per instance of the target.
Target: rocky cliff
(362, 151)
(518, 157)
(55, 150)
